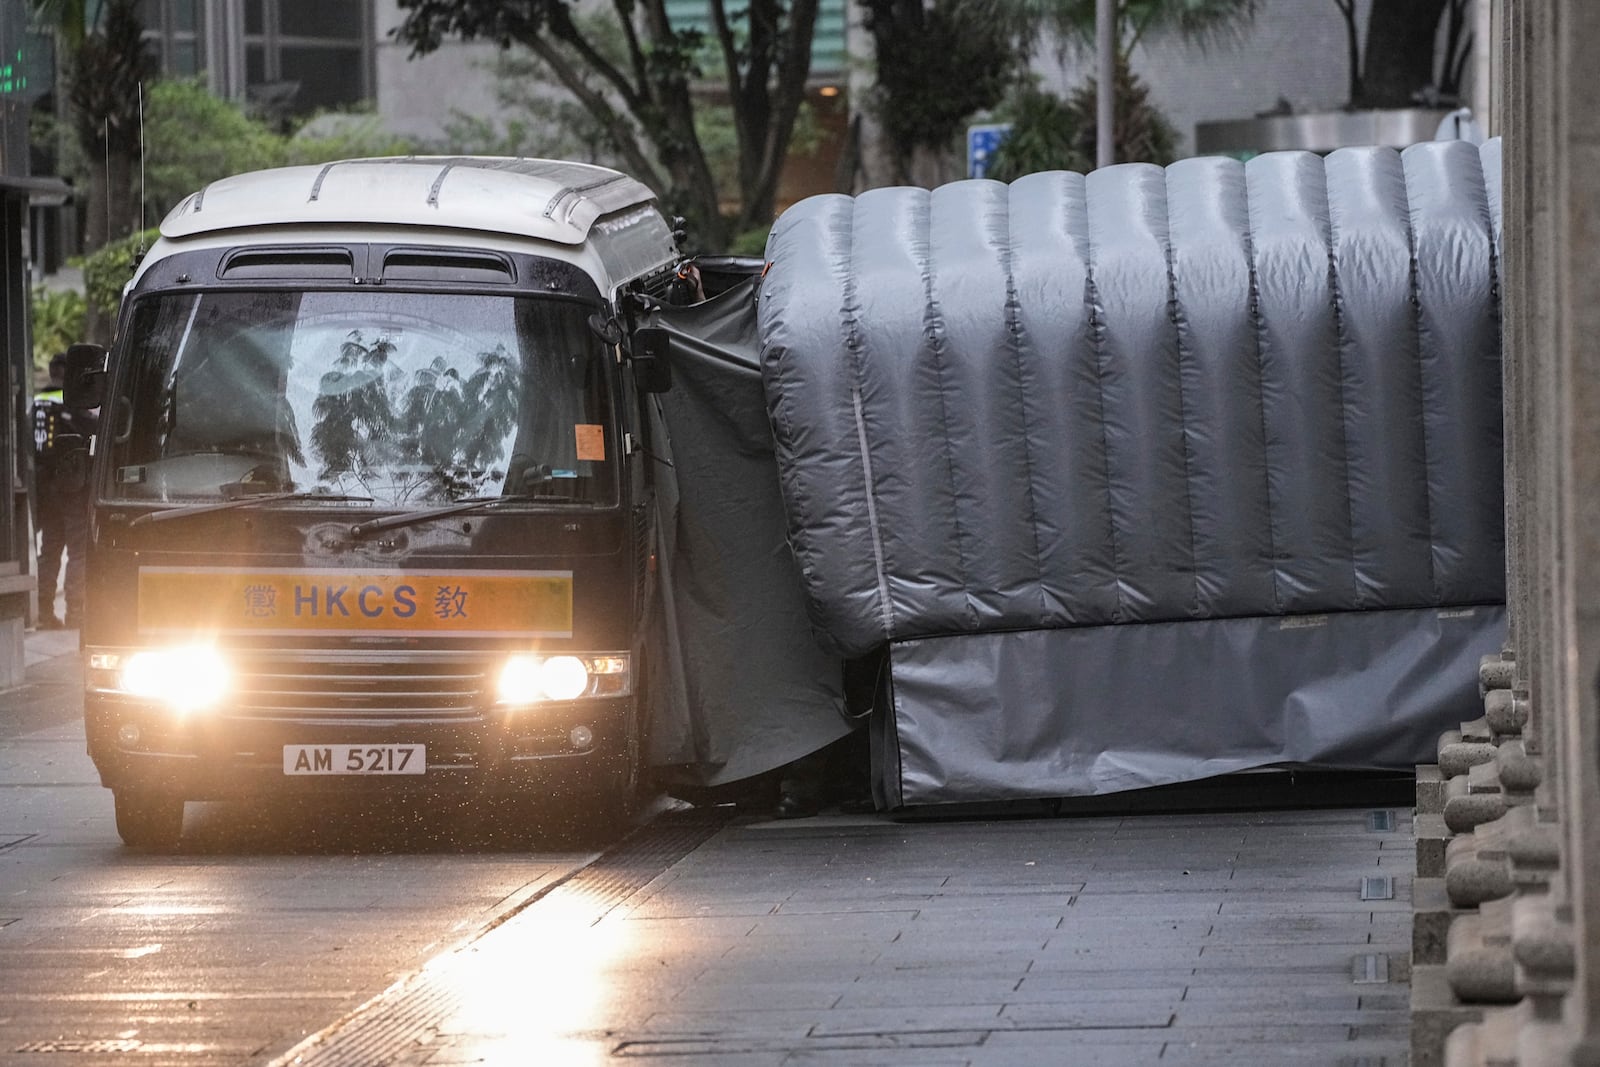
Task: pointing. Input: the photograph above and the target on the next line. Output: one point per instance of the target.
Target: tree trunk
(766, 100)
(931, 166)
(693, 191)
(105, 80)
(869, 160)
(1399, 51)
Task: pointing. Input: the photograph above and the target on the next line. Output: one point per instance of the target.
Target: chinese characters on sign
(450, 602)
(260, 601)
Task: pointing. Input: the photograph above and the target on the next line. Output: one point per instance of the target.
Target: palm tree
(1049, 133)
(1196, 21)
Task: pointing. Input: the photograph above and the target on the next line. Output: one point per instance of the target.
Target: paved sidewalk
(41, 646)
(1200, 939)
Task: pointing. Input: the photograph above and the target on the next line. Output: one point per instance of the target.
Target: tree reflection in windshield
(355, 423)
(445, 430)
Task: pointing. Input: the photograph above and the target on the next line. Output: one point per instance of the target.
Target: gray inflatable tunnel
(1150, 474)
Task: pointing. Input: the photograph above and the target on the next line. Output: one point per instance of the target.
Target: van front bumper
(139, 745)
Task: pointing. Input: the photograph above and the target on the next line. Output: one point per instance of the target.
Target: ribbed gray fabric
(1216, 390)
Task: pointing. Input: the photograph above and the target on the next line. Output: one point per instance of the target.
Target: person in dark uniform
(60, 466)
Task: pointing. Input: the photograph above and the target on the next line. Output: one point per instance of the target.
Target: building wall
(419, 97)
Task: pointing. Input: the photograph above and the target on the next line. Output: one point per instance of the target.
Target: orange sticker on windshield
(591, 441)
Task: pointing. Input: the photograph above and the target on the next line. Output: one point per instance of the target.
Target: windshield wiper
(246, 502)
(443, 511)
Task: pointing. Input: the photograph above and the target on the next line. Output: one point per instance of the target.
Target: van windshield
(408, 398)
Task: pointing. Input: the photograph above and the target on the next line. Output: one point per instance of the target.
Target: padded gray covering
(1217, 390)
(1148, 475)
(738, 685)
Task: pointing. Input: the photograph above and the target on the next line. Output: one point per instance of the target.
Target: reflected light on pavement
(536, 990)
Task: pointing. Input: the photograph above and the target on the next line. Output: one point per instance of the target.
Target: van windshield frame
(414, 397)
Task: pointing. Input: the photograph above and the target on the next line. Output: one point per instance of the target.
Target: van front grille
(345, 688)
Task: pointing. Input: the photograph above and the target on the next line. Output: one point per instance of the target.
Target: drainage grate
(1377, 887)
(1380, 821)
(101, 1046)
(1369, 968)
(391, 1024)
(701, 1048)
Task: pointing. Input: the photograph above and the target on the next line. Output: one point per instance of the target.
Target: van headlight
(529, 678)
(187, 678)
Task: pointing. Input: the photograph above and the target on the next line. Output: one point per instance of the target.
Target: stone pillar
(1512, 265)
(1530, 880)
(1575, 287)
(1532, 302)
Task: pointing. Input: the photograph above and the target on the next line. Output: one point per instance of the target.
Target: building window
(827, 41)
(298, 56)
(308, 55)
(174, 32)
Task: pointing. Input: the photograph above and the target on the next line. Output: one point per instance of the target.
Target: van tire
(600, 802)
(148, 820)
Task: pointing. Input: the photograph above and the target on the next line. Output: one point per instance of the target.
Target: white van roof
(550, 200)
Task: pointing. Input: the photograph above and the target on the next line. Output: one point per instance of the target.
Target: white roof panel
(551, 200)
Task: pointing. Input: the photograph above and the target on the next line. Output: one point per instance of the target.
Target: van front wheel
(148, 820)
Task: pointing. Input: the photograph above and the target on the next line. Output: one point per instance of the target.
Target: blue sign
(981, 144)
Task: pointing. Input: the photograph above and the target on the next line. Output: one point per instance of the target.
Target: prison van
(370, 496)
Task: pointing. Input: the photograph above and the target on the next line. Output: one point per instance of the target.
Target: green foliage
(106, 271)
(1143, 134)
(1049, 133)
(1197, 21)
(750, 242)
(58, 321)
(353, 134)
(1045, 135)
(939, 64)
(193, 137)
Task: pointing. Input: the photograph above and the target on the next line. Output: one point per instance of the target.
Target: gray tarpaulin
(1098, 709)
(1213, 397)
(740, 685)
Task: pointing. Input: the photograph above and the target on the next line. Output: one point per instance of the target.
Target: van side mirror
(651, 371)
(85, 383)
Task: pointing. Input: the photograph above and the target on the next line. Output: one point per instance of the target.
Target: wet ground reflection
(413, 824)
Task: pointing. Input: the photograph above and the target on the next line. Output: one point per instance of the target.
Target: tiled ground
(1197, 939)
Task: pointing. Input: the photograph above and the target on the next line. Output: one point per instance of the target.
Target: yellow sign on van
(223, 600)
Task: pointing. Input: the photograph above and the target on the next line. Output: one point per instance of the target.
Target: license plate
(355, 759)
